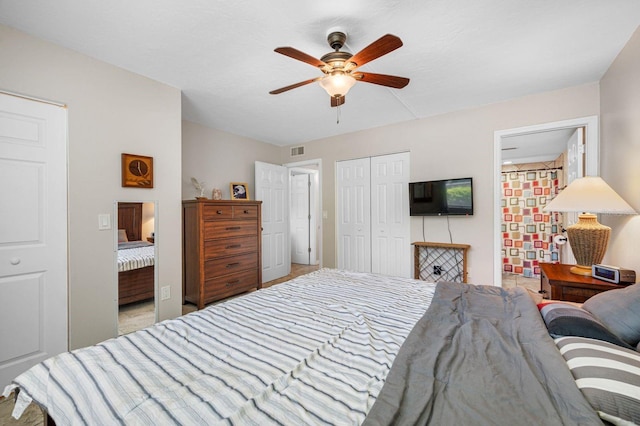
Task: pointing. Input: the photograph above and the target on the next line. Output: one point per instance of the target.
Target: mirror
(136, 265)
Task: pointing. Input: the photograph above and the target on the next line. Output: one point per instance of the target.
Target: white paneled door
(300, 219)
(390, 230)
(373, 215)
(272, 188)
(353, 189)
(575, 169)
(33, 234)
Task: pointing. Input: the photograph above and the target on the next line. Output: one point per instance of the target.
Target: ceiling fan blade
(337, 101)
(300, 56)
(293, 86)
(382, 79)
(385, 44)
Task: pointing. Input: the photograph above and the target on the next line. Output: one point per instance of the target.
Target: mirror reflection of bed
(136, 266)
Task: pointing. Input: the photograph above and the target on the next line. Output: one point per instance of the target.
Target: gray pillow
(619, 311)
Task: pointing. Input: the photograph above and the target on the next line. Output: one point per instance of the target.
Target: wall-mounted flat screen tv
(441, 197)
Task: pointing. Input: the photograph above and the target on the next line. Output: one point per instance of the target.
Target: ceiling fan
(340, 69)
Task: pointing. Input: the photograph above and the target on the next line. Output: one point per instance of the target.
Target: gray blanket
(481, 355)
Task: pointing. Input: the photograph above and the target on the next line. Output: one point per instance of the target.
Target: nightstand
(557, 283)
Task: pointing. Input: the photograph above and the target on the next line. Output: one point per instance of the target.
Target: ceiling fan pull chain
(338, 114)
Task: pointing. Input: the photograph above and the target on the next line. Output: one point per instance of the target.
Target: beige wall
(620, 150)
(458, 144)
(110, 111)
(218, 158)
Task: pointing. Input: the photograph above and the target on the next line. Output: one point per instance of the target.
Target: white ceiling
(457, 53)
(535, 147)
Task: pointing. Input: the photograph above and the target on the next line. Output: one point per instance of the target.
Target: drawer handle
(246, 212)
(231, 265)
(218, 211)
(233, 228)
(232, 283)
(234, 246)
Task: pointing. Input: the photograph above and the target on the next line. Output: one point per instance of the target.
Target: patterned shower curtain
(527, 231)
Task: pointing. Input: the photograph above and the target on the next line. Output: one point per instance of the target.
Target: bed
(136, 258)
(330, 347)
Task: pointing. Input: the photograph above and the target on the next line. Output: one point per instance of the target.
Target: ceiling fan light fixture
(337, 84)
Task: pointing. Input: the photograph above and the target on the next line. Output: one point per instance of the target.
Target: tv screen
(441, 197)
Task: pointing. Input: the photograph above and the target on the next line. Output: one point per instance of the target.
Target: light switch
(104, 222)
(325, 215)
(165, 293)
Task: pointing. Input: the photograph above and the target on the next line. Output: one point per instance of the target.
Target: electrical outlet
(437, 270)
(165, 293)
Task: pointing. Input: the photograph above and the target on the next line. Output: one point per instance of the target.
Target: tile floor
(513, 280)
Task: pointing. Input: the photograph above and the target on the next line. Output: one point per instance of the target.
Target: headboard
(130, 219)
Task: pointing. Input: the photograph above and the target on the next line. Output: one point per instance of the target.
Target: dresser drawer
(217, 212)
(578, 295)
(229, 285)
(229, 228)
(245, 212)
(227, 265)
(229, 247)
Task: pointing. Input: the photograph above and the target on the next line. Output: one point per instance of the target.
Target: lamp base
(580, 270)
(588, 240)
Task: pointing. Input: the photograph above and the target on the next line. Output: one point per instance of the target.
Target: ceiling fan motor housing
(336, 39)
(331, 58)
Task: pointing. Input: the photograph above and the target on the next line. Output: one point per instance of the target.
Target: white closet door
(390, 231)
(272, 187)
(353, 188)
(33, 234)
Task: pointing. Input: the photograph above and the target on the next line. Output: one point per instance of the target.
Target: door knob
(14, 260)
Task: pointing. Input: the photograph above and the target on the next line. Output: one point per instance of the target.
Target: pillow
(122, 236)
(568, 320)
(607, 375)
(619, 311)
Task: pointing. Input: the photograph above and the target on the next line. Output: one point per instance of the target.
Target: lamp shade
(589, 194)
(588, 238)
(337, 84)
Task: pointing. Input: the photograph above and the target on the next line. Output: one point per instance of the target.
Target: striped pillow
(608, 376)
(562, 319)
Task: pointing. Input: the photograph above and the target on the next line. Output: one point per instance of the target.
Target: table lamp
(588, 238)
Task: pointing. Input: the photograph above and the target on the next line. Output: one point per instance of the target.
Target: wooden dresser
(222, 249)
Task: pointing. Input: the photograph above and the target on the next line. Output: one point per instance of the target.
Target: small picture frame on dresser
(239, 191)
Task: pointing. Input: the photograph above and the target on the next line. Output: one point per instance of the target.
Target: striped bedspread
(135, 258)
(314, 350)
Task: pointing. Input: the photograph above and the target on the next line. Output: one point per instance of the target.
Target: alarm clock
(613, 274)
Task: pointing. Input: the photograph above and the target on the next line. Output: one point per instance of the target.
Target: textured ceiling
(458, 54)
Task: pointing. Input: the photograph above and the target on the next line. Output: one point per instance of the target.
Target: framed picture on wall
(137, 171)
(239, 191)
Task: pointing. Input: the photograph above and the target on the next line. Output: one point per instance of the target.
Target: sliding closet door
(390, 231)
(354, 215)
(373, 215)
